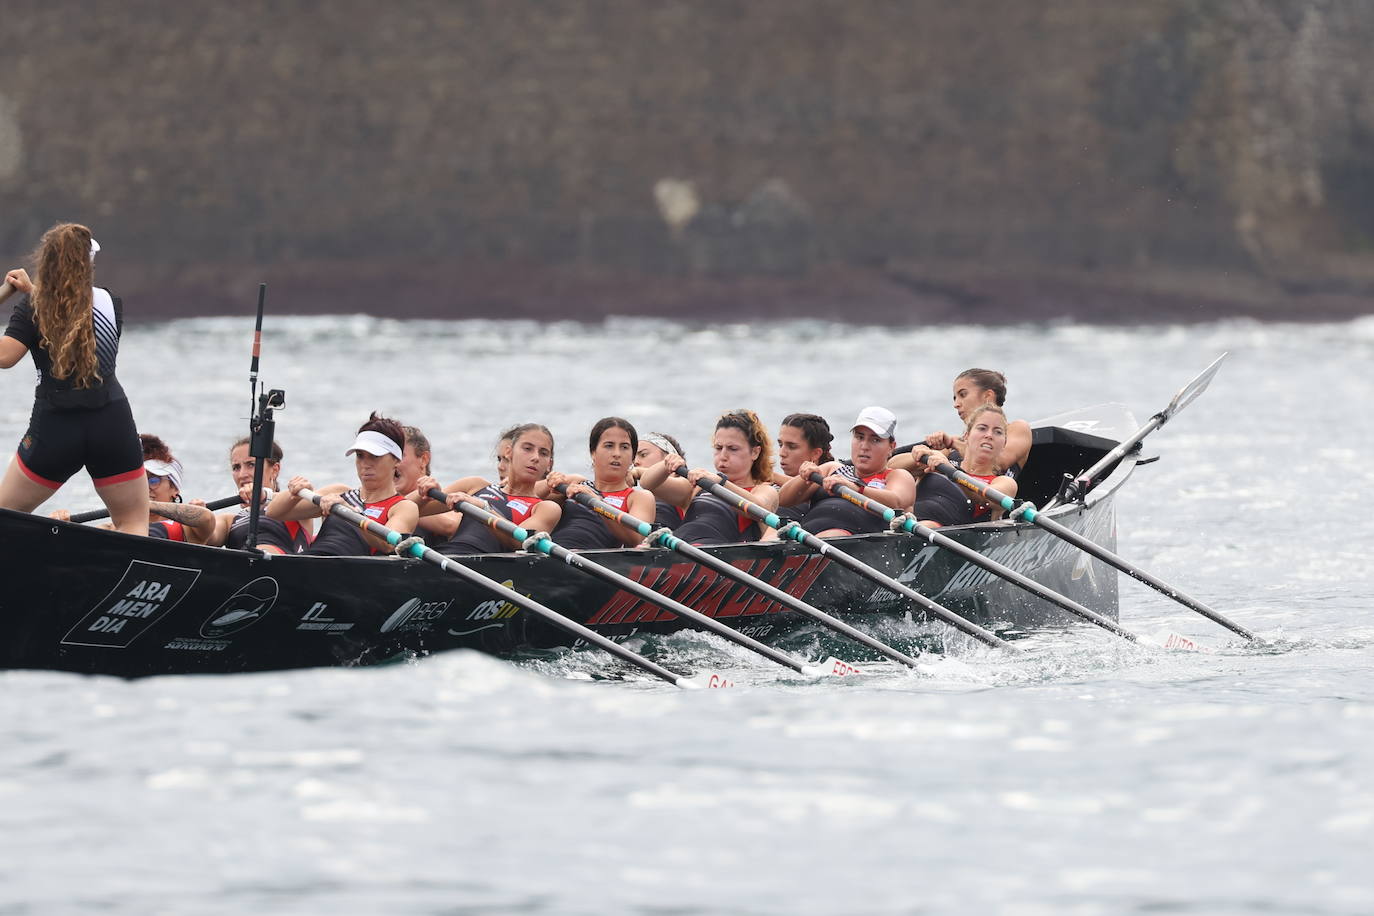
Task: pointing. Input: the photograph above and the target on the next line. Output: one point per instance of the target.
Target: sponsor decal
(373, 512)
(315, 619)
(26, 443)
(713, 595)
(145, 594)
(1081, 426)
(198, 645)
(242, 609)
(494, 609)
(416, 615)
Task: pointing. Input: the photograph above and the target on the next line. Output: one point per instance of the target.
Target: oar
(6, 290)
(1077, 488)
(795, 532)
(1028, 512)
(95, 515)
(665, 538)
(909, 525)
(509, 594)
(544, 544)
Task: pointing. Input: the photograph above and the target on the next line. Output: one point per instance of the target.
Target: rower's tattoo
(181, 512)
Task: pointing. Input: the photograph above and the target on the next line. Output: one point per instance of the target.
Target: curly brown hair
(63, 274)
(756, 434)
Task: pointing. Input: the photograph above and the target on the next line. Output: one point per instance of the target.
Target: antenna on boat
(262, 425)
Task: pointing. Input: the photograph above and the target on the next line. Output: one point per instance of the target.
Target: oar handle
(447, 564)
(6, 290)
(607, 511)
(95, 515)
(490, 519)
(1025, 510)
(845, 492)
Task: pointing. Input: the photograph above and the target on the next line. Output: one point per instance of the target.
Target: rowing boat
(95, 601)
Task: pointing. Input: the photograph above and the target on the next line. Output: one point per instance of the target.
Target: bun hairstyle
(606, 423)
(988, 380)
(63, 275)
(154, 449)
(979, 411)
(276, 449)
(387, 427)
(748, 423)
(814, 430)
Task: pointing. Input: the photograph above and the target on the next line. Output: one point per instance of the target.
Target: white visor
(95, 247)
(169, 469)
(374, 443)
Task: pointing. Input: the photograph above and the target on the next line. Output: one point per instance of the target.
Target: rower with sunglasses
(168, 517)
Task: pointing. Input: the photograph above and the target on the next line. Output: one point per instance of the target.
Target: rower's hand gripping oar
(910, 525)
(95, 515)
(1078, 488)
(447, 564)
(1027, 511)
(544, 544)
(795, 532)
(6, 290)
(665, 538)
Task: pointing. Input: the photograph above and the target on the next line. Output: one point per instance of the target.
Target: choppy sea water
(1089, 776)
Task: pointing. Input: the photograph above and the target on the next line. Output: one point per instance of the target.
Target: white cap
(879, 419)
(169, 469)
(374, 443)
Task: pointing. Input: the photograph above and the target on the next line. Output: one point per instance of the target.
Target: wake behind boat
(101, 602)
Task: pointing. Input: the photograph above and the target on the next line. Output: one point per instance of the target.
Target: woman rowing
(274, 535)
(872, 439)
(653, 448)
(613, 444)
(81, 417)
(743, 462)
(168, 517)
(414, 465)
(519, 500)
(985, 439)
(377, 450)
(974, 388)
(802, 437)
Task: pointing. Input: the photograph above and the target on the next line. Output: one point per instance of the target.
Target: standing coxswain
(81, 417)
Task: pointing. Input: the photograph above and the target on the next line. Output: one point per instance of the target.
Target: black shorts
(59, 443)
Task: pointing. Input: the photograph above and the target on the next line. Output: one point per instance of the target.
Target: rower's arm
(641, 506)
(401, 518)
(11, 352)
(899, 494)
(666, 485)
(198, 521)
(1017, 449)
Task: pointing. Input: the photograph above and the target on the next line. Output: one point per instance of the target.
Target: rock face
(887, 158)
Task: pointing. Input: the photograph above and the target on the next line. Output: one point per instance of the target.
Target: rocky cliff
(883, 158)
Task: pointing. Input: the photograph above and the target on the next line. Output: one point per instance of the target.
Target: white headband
(374, 443)
(661, 442)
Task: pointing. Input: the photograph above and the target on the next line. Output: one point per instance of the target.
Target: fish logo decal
(242, 609)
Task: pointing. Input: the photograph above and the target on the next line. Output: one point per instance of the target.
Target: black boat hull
(89, 600)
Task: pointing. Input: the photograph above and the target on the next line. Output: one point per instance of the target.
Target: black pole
(261, 428)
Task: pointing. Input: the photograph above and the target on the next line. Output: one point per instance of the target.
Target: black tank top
(939, 499)
(711, 520)
(474, 537)
(339, 538)
(288, 537)
(582, 529)
(828, 512)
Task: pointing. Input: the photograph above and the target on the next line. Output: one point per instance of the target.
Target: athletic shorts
(59, 443)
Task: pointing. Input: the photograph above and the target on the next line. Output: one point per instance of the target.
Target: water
(1089, 776)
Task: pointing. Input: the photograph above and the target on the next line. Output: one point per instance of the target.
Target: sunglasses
(155, 479)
